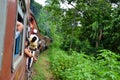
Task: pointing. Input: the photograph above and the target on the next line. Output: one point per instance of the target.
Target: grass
(41, 68)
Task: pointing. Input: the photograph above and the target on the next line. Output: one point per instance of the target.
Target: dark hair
(34, 39)
(31, 19)
(27, 43)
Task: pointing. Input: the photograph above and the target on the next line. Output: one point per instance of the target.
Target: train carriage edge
(12, 60)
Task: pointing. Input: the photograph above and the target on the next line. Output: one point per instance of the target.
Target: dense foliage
(83, 67)
(85, 37)
(94, 22)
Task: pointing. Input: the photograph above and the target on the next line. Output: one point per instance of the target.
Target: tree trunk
(99, 38)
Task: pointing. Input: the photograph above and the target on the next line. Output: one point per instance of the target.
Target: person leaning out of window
(19, 29)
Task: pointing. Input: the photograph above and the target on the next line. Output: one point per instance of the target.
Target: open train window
(19, 39)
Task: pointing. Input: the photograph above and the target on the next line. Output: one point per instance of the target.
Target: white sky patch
(65, 5)
(42, 2)
(114, 5)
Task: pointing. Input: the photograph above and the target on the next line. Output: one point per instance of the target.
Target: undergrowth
(79, 66)
(38, 72)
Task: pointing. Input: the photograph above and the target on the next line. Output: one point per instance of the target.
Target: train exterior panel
(12, 66)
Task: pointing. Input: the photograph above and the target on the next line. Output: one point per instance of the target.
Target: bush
(79, 66)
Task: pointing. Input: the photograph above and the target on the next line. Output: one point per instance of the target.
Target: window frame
(17, 58)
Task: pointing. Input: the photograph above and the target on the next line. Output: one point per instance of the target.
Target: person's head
(34, 39)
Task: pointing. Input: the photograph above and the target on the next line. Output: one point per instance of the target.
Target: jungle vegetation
(86, 38)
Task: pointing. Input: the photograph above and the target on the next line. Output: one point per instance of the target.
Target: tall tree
(90, 23)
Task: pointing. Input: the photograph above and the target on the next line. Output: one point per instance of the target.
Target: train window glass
(3, 7)
(20, 11)
(22, 4)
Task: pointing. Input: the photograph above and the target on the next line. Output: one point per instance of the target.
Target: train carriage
(12, 60)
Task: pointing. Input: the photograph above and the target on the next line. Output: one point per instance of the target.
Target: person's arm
(29, 54)
(19, 26)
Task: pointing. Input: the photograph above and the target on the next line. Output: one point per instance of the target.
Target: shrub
(79, 66)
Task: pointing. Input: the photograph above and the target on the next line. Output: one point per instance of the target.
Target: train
(12, 58)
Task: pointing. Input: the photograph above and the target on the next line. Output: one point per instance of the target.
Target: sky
(42, 2)
(65, 5)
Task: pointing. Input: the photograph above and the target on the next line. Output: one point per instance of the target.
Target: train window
(19, 40)
(2, 28)
(17, 54)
